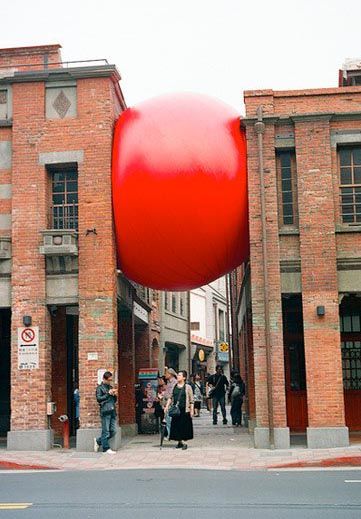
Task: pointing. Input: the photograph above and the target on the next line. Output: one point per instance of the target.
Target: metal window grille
(64, 208)
(350, 184)
(351, 364)
(286, 165)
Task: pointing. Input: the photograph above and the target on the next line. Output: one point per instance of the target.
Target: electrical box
(50, 408)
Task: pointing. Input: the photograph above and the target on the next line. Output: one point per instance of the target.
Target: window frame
(293, 169)
(72, 216)
(354, 187)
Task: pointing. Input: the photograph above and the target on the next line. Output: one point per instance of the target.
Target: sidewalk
(220, 447)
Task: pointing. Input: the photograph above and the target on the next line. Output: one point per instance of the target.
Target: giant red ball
(179, 191)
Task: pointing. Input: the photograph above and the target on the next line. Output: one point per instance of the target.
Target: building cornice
(62, 74)
(306, 117)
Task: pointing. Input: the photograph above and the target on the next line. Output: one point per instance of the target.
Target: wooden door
(294, 357)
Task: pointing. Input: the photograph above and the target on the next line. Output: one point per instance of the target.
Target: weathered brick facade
(32, 142)
(314, 262)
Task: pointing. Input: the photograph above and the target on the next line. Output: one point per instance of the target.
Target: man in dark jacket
(106, 398)
(219, 383)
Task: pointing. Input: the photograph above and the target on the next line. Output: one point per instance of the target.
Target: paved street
(182, 494)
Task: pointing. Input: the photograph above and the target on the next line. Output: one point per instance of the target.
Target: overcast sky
(217, 47)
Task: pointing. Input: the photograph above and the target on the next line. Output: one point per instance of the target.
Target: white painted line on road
(313, 469)
(352, 480)
(14, 506)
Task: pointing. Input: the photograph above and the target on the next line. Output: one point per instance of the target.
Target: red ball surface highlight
(179, 185)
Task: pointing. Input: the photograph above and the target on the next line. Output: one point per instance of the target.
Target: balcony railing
(64, 216)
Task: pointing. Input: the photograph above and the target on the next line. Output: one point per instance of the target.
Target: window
(351, 364)
(166, 301)
(181, 304)
(221, 325)
(3, 104)
(174, 302)
(286, 174)
(195, 326)
(64, 209)
(350, 184)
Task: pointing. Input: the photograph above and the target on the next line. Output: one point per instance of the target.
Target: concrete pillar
(325, 397)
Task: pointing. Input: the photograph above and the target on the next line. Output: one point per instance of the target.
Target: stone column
(325, 397)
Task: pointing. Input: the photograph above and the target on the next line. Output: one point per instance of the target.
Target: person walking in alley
(171, 378)
(198, 394)
(106, 398)
(236, 394)
(182, 405)
(219, 383)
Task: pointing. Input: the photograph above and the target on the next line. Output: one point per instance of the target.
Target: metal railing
(64, 216)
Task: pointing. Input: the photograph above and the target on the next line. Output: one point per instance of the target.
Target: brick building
(299, 308)
(59, 276)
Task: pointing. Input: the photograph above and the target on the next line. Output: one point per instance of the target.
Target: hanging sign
(28, 347)
(223, 352)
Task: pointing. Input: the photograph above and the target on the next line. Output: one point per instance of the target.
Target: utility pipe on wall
(260, 129)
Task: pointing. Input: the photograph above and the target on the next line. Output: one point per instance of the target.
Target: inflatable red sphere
(179, 191)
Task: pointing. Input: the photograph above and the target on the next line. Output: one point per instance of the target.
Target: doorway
(65, 366)
(5, 370)
(350, 327)
(294, 359)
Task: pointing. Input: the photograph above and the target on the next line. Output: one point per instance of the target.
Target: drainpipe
(260, 129)
(229, 310)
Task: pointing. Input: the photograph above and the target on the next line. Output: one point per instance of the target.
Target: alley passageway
(206, 436)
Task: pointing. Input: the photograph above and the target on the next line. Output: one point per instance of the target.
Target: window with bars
(350, 184)
(351, 364)
(287, 187)
(350, 324)
(64, 209)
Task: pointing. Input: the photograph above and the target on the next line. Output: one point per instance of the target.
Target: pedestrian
(171, 378)
(218, 383)
(181, 429)
(236, 394)
(106, 398)
(76, 397)
(198, 394)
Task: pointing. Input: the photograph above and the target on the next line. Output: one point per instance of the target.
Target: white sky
(216, 47)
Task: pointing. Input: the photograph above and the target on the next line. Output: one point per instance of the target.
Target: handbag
(174, 409)
(213, 389)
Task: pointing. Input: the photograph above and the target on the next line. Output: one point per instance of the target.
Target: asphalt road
(148, 494)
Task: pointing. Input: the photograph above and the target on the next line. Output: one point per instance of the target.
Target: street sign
(28, 347)
(223, 352)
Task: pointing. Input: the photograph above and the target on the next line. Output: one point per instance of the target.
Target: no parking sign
(28, 347)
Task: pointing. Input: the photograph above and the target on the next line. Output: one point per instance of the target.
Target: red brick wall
(318, 246)
(90, 131)
(257, 281)
(30, 389)
(29, 56)
(319, 274)
(142, 349)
